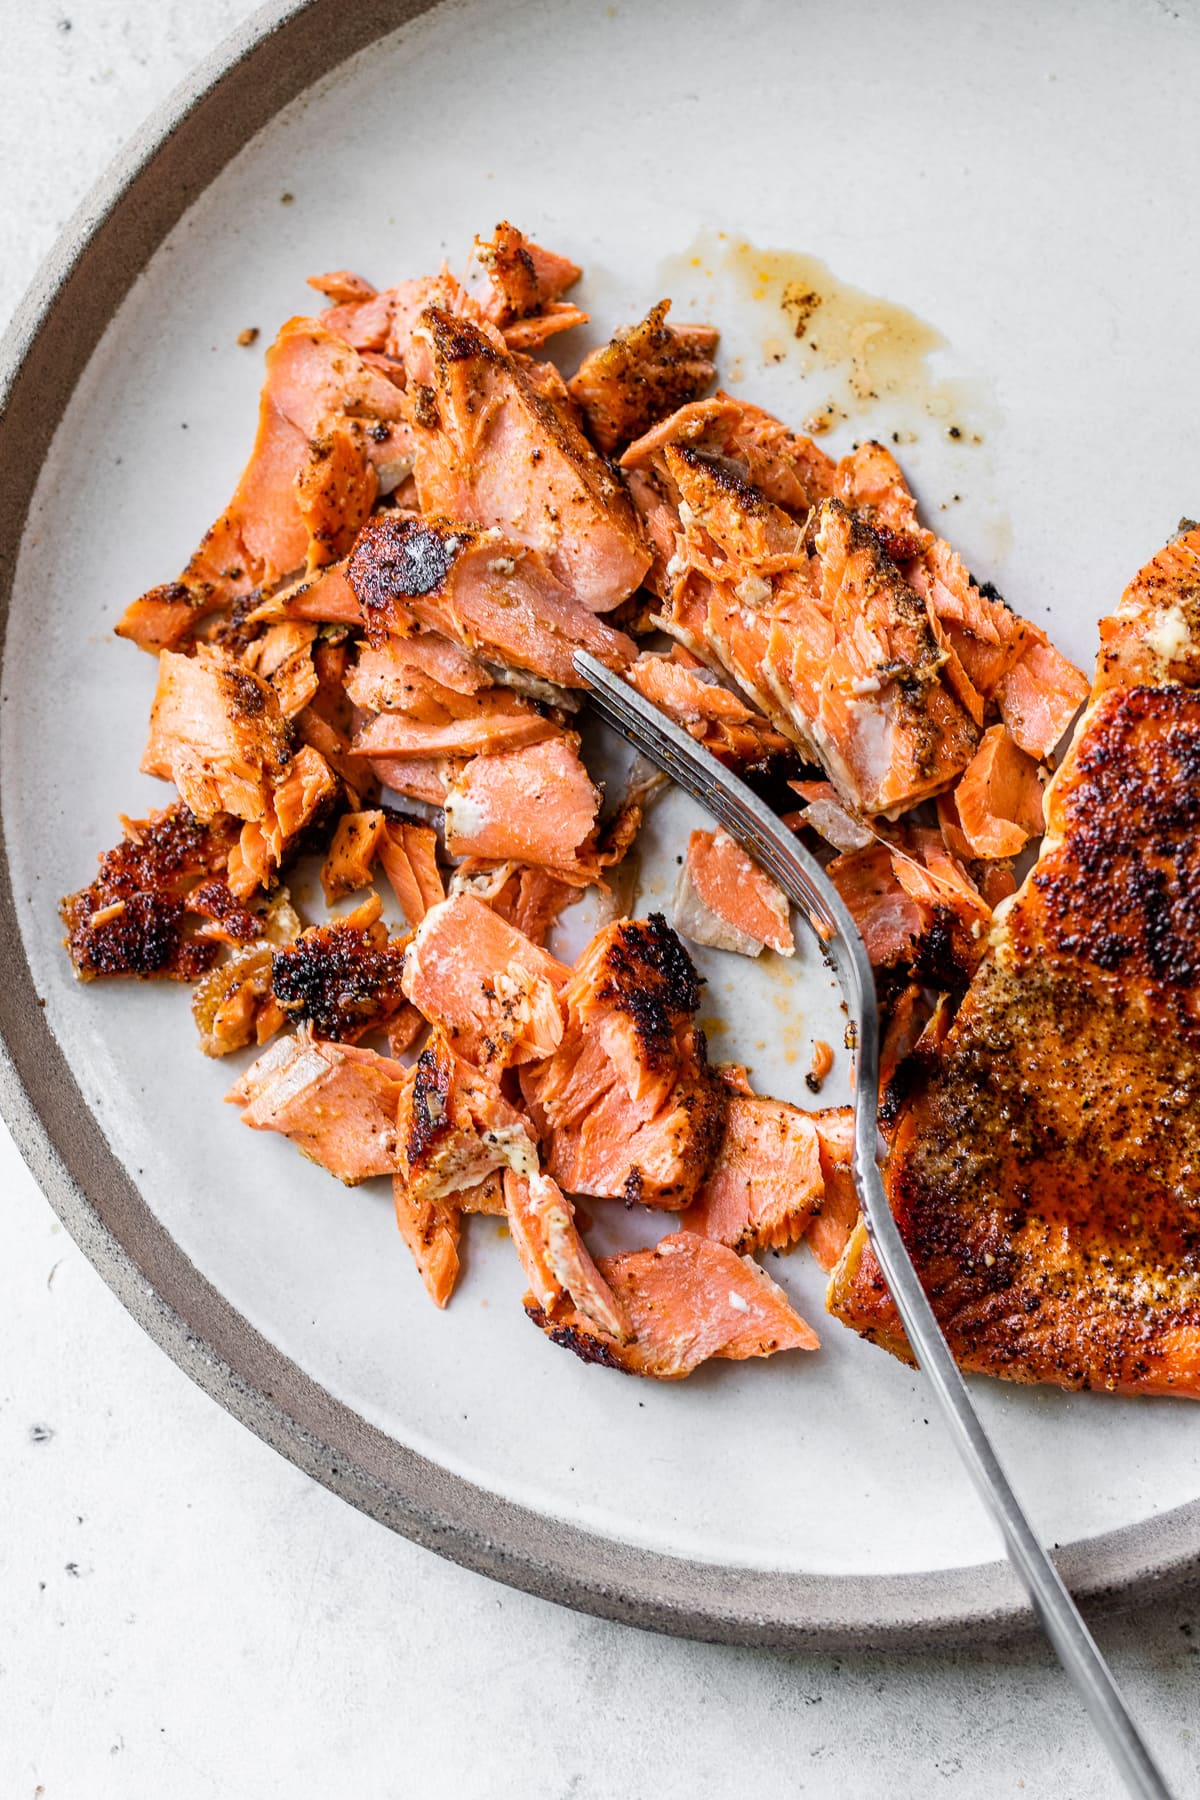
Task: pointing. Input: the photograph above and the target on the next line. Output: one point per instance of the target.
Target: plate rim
(283, 48)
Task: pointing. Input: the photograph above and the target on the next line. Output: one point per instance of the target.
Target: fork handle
(1060, 1618)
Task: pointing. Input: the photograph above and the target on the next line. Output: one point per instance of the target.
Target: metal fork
(779, 852)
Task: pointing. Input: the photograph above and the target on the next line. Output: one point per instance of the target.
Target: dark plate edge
(282, 49)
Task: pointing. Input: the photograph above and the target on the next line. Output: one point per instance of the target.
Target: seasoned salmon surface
(1044, 1174)
(383, 792)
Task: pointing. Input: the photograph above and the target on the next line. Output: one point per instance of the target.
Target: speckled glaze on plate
(1002, 176)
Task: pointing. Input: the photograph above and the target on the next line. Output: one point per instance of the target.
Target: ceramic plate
(1016, 185)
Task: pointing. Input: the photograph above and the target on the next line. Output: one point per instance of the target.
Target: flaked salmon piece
(343, 979)
(690, 693)
(492, 449)
(523, 279)
(336, 1103)
(747, 527)
(382, 679)
(294, 802)
(628, 1106)
(998, 797)
(497, 720)
(983, 635)
(493, 993)
(485, 590)
(827, 815)
(408, 856)
(791, 471)
(133, 918)
(1154, 634)
(837, 1214)
(331, 435)
(234, 1004)
(455, 1126)
(533, 805)
(890, 922)
(350, 859)
(537, 899)
(870, 483)
(723, 899)
(687, 1299)
(341, 285)
(283, 655)
(766, 1182)
(217, 732)
(915, 907)
(1039, 696)
(326, 599)
(541, 1222)
(529, 334)
(427, 778)
(432, 1230)
(643, 373)
(820, 1067)
(887, 726)
(709, 712)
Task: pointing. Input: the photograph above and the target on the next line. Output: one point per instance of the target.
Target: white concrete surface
(183, 1614)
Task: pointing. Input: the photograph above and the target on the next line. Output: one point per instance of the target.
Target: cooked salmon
(692, 696)
(793, 472)
(493, 993)
(686, 1300)
(627, 1106)
(642, 374)
(331, 435)
(837, 1213)
(1047, 1194)
(766, 1182)
(723, 899)
(1039, 696)
(534, 805)
(1154, 634)
(915, 908)
(133, 919)
(490, 593)
(350, 859)
(998, 798)
(408, 857)
(490, 448)
(217, 732)
(294, 803)
(524, 281)
(455, 1126)
(336, 1103)
(343, 979)
(560, 1272)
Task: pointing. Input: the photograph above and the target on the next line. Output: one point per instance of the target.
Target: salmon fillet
(686, 1300)
(1043, 1173)
(492, 449)
(627, 1106)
